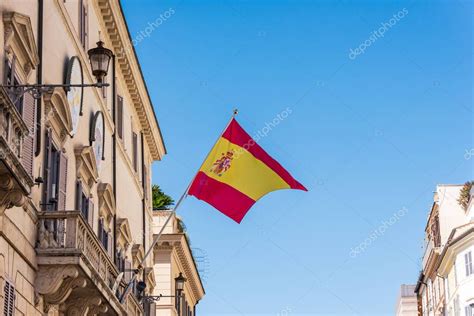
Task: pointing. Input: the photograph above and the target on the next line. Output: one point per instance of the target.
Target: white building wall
(451, 214)
(461, 286)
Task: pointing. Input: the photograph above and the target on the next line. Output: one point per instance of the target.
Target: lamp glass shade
(100, 59)
(180, 282)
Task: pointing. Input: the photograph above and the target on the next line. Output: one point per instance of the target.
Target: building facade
(172, 255)
(407, 303)
(75, 164)
(445, 284)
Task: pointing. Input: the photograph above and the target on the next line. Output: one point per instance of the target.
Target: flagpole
(172, 212)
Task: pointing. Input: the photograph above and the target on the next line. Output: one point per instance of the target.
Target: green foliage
(161, 201)
(465, 194)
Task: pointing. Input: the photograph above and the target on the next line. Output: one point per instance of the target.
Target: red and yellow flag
(238, 172)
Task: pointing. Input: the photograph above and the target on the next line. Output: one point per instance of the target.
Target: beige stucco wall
(169, 261)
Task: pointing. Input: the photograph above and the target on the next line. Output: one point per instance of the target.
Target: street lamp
(179, 282)
(99, 59)
(149, 299)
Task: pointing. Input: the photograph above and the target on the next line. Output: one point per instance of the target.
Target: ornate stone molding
(86, 165)
(124, 234)
(58, 113)
(10, 195)
(137, 253)
(19, 40)
(89, 305)
(106, 197)
(56, 283)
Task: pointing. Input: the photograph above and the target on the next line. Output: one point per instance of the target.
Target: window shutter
(78, 196)
(135, 151)
(119, 126)
(62, 182)
(9, 297)
(38, 120)
(100, 230)
(145, 182)
(47, 169)
(109, 245)
(28, 140)
(91, 212)
(106, 240)
(183, 304)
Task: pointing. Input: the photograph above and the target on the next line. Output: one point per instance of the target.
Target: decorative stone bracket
(10, 195)
(56, 283)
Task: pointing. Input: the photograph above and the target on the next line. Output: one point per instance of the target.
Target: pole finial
(236, 111)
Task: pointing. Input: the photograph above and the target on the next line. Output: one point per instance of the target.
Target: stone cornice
(116, 28)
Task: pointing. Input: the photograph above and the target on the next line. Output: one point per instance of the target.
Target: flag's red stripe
(238, 136)
(223, 197)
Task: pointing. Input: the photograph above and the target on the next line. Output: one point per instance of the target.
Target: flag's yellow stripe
(247, 174)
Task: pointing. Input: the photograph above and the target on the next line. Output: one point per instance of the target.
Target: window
(84, 203)
(83, 23)
(54, 173)
(11, 78)
(9, 296)
(55, 170)
(103, 234)
(468, 262)
(145, 182)
(119, 126)
(135, 151)
(435, 232)
(469, 310)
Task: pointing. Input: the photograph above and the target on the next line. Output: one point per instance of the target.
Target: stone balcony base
(74, 268)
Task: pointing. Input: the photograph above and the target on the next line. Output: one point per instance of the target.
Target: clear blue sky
(368, 136)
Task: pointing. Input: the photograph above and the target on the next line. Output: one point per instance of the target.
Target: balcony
(75, 272)
(15, 182)
(430, 256)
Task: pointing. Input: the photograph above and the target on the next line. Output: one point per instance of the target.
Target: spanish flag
(237, 172)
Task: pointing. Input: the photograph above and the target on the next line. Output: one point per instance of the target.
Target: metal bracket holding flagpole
(171, 214)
